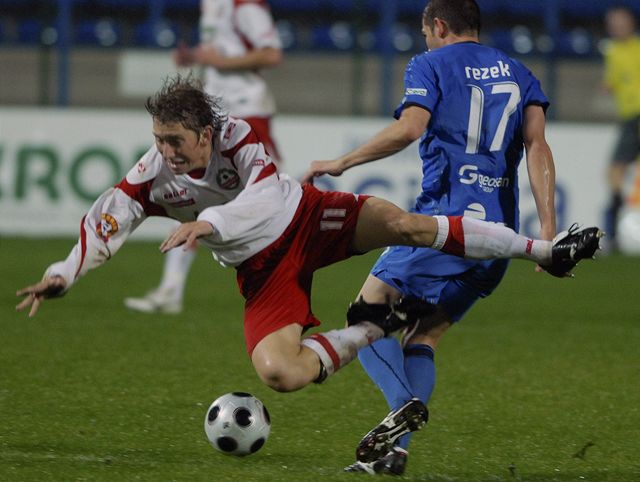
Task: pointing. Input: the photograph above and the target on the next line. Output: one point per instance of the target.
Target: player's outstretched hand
(50, 287)
(186, 235)
(318, 168)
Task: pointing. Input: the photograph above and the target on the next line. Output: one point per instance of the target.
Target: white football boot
(160, 300)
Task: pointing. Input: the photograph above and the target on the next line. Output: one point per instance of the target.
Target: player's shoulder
(147, 168)
(422, 62)
(233, 132)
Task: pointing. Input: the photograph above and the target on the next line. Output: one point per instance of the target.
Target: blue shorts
(452, 282)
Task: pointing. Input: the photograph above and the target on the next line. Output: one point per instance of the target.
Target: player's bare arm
(182, 55)
(541, 169)
(50, 287)
(254, 59)
(186, 235)
(393, 138)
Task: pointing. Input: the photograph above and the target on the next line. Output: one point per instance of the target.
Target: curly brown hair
(183, 100)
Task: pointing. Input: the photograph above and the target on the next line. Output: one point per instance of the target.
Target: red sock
(455, 237)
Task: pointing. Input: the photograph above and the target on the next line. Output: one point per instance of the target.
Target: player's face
(183, 150)
(620, 24)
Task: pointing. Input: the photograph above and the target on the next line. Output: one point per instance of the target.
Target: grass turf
(539, 383)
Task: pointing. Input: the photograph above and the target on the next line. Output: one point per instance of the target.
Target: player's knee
(277, 375)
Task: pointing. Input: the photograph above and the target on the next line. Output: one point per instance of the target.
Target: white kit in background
(234, 28)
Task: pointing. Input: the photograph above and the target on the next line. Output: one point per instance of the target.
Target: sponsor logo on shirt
(469, 175)
(414, 91)
(175, 194)
(227, 178)
(141, 167)
(108, 226)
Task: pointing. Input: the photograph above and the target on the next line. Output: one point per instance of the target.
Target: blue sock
(384, 363)
(420, 368)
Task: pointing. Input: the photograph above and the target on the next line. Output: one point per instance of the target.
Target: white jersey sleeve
(254, 21)
(107, 225)
(261, 211)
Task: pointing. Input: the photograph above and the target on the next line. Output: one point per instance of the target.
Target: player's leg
(381, 223)
(616, 176)
(277, 285)
(286, 363)
(384, 449)
(168, 296)
(455, 285)
(282, 362)
(176, 270)
(383, 360)
(625, 152)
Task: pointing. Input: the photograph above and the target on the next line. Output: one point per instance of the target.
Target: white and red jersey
(240, 193)
(233, 28)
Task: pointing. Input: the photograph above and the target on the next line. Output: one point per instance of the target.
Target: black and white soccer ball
(237, 424)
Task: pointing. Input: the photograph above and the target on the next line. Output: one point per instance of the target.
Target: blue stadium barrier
(403, 39)
(25, 4)
(525, 7)
(580, 9)
(162, 34)
(29, 31)
(154, 31)
(124, 4)
(491, 7)
(103, 33)
(338, 36)
(500, 39)
(288, 34)
(577, 41)
(296, 6)
(182, 4)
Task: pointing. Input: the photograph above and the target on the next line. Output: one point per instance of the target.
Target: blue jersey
(473, 144)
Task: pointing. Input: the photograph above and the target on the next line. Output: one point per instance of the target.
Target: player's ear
(206, 135)
(440, 28)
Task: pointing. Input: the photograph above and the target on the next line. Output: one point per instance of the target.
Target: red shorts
(276, 282)
(262, 127)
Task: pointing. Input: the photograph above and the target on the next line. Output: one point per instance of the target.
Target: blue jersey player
(475, 111)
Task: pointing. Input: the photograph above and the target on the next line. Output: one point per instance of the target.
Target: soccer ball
(629, 232)
(237, 424)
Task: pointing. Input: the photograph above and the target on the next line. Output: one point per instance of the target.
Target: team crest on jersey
(227, 179)
(108, 226)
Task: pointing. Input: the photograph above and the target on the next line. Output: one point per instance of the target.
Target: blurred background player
(237, 40)
(622, 79)
(474, 109)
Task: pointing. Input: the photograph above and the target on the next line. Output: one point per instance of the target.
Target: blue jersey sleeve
(532, 92)
(420, 86)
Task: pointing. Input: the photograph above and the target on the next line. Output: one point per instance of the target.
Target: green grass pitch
(541, 382)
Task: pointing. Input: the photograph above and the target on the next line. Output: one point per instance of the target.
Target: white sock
(176, 268)
(485, 240)
(336, 348)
